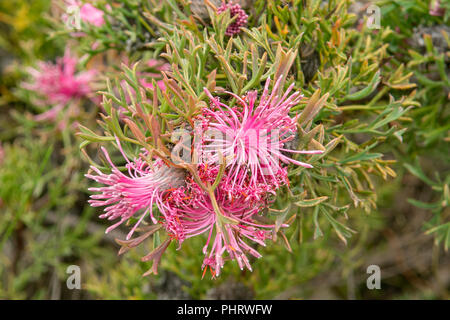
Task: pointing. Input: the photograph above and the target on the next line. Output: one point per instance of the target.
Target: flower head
(221, 200)
(125, 195)
(92, 15)
(234, 226)
(229, 224)
(237, 12)
(59, 83)
(251, 137)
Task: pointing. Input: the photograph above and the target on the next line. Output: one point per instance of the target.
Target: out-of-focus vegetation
(385, 125)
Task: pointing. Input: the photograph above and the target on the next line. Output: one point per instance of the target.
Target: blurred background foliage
(389, 95)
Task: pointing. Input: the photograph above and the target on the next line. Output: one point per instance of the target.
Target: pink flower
(86, 12)
(232, 237)
(59, 83)
(125, 195)
(436, 9)
(2, 153)
(235, 11)
(186, 209)
(230, 225)
(251, 137)
(60, 87)
(92, 15)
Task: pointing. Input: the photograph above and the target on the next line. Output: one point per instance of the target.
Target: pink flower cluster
(243, 162)
(252, 138)
(59, 84)
(236, 12)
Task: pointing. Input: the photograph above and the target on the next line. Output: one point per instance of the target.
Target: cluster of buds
(237, 13)
(237, 162)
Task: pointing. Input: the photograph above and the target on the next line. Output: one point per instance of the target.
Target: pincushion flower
(186, 210)
(234, 227)
(251, 136)
(59, 83)
(228, 224)
(221, 201)
(125, 195)
(237, 12)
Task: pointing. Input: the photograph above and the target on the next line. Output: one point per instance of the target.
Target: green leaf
(367, 90)
(362, 156)
(417, 171)
(311, 202)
